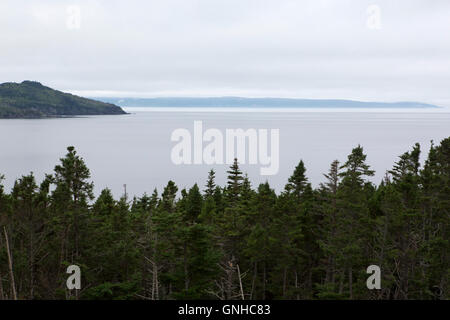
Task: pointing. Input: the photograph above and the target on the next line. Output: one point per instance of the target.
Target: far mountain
(224, 102)
(31, 99)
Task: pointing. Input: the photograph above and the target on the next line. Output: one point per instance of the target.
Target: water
(135, 149)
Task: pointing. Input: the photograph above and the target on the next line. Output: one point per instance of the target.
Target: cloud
(310, 49)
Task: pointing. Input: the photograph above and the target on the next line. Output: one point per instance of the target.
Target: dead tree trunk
(240, 282)
(11, 272)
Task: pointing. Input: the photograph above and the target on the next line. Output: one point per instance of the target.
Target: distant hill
(224, 102)
(31, 99)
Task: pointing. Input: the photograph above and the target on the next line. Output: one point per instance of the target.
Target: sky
(320, 49)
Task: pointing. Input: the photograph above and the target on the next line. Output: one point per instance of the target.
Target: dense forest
(234, 241)
(30, 99)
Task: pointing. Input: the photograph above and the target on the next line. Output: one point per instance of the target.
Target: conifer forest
(234, 241)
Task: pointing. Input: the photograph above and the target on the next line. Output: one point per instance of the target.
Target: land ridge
(31, 99)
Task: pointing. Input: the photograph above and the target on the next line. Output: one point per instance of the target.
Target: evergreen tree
(233, 242)
(210, 184)
(298, 182)
(194, 204)
(260, 244)
(435, 178)
(354, 221)
(329, 230)
(234, 183)
(70, 207)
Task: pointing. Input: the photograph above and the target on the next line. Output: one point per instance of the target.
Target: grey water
(135, 149)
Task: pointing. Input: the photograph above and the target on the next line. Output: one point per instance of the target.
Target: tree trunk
(11, 272)
(31, 259)
(156, 285)
(229, 280)
(333, 273)
(341, 282)
(310, 281)
(255, 270)
(350, 282)
(240, 282)
(264, 281)
(2, 295)
(186, 277)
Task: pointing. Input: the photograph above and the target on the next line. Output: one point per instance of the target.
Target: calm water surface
(135, 149)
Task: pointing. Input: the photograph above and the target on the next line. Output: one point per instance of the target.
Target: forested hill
(31, 99)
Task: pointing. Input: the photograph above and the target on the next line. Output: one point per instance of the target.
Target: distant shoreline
(131, 109)
(240, 102)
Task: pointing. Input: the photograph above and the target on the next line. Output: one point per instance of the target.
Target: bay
(135, 149)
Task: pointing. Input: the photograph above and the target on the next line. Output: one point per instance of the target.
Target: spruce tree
(354, 222)
(298, 181)
(234, 183)
(210, 184)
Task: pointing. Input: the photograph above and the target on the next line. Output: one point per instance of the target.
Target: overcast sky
(255, 48)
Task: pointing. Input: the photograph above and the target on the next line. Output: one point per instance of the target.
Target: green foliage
(234, 242)
(112, 291)
(31, 99)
